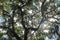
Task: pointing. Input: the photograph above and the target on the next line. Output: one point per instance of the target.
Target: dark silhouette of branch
(42, 8)
(23, 23)
(22, 20)
(56, 30)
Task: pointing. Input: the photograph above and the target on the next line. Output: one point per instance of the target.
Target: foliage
(29, 19)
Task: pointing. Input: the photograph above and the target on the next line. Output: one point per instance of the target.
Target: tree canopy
(29, 20)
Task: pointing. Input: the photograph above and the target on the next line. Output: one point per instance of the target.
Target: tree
(24, 18)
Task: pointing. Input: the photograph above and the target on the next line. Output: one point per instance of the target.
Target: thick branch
(42, 8)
